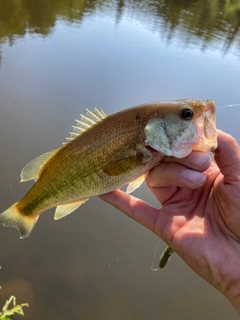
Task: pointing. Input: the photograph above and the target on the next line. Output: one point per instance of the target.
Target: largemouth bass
(106, 152)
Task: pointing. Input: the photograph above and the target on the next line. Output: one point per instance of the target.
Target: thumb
(227, 157)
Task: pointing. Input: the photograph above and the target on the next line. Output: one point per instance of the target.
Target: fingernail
(192, 176)
(199, 158)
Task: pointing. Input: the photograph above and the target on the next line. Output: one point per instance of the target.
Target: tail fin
(12, 217)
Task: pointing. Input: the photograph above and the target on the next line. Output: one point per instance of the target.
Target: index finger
(133, 207)
(184, 173)
(196, 160)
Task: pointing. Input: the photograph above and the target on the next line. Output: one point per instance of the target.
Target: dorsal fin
(91, 118)
(31, 170)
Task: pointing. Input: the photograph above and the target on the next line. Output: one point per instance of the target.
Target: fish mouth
(206, 128)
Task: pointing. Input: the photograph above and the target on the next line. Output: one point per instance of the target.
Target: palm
(190, 221)
(187, 215)
(200, 221)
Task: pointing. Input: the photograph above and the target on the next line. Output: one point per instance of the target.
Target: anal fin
(64, 210)
(135, 184)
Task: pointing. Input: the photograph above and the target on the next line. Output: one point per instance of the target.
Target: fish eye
(187, 114)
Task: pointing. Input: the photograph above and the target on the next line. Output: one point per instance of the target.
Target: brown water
(60, 57)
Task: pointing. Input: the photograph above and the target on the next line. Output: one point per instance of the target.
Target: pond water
(58, 58)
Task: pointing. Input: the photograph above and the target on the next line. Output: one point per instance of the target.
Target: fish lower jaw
(205, 146)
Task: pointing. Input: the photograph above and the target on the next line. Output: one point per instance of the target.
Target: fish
(105, 153)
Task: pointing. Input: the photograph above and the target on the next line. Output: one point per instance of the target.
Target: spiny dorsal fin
(91, 118)
(31, 170)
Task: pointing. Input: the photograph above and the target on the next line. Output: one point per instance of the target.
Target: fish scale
(106, 152)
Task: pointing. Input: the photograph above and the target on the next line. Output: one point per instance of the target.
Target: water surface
(58, 58)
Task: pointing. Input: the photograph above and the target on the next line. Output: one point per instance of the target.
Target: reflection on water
(201, 22)
(60, 57)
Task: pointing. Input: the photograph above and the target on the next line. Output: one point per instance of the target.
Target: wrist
(227, 276)
(233, 295)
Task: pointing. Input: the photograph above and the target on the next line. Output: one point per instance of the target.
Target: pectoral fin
(122, 166)
(135, 184)
(64, 210)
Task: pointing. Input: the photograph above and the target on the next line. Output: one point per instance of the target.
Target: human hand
(200, 217)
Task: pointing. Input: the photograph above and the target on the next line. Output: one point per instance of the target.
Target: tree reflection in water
(201, 23)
